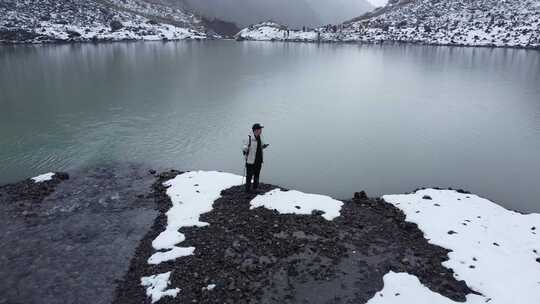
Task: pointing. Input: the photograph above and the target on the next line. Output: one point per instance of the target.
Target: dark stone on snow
(116, 25)
(360, 195)
(426, 197)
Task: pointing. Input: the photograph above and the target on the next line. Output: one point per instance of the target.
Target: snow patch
(401, 288)
(156, 286)
(192, 194)
(43, 177)
(493, 249)
(297, 202)
(170, 255)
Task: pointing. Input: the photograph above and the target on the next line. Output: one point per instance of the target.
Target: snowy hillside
(510, 23)
(95, 20)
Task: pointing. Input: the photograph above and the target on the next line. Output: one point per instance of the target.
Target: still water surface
(339, 118)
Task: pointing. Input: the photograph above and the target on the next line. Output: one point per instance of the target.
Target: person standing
(253, 153)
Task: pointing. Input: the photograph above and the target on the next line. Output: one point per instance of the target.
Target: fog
(295, 13)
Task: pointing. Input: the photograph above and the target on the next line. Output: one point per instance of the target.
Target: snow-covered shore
(494, 250)
(211, 242)
(488, 23)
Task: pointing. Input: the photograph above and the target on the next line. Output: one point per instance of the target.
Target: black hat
(257, 126)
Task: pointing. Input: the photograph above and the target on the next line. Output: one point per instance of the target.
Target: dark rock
(360, 195)
(73, 34)
(116, 25)
(426, 197)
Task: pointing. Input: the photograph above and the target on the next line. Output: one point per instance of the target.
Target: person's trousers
(252, 172)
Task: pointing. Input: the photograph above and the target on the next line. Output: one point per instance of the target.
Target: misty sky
(378, 2)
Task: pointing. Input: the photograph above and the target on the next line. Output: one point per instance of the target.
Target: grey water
(339, 118)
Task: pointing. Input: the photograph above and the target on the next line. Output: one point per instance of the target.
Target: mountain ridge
(488, 23)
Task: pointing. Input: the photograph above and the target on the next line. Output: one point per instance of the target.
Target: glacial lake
(339, 118)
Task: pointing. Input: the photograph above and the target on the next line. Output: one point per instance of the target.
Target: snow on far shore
(404, 288)
(157, 286)
(493, 249)
(272, 31)
(297, 202)
(192, 194)
(43, 177)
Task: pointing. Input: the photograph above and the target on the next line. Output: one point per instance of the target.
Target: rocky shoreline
(68, 240)
(88, 237)
(261, 256)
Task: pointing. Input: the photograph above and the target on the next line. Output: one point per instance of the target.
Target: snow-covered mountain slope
(510, 23)
(96, 20)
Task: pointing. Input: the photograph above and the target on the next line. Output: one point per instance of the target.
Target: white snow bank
(192, 194)
(156, 286)
(298, 203)
(403, 288)
(493, 249)
(43, 177)
(172, 254)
